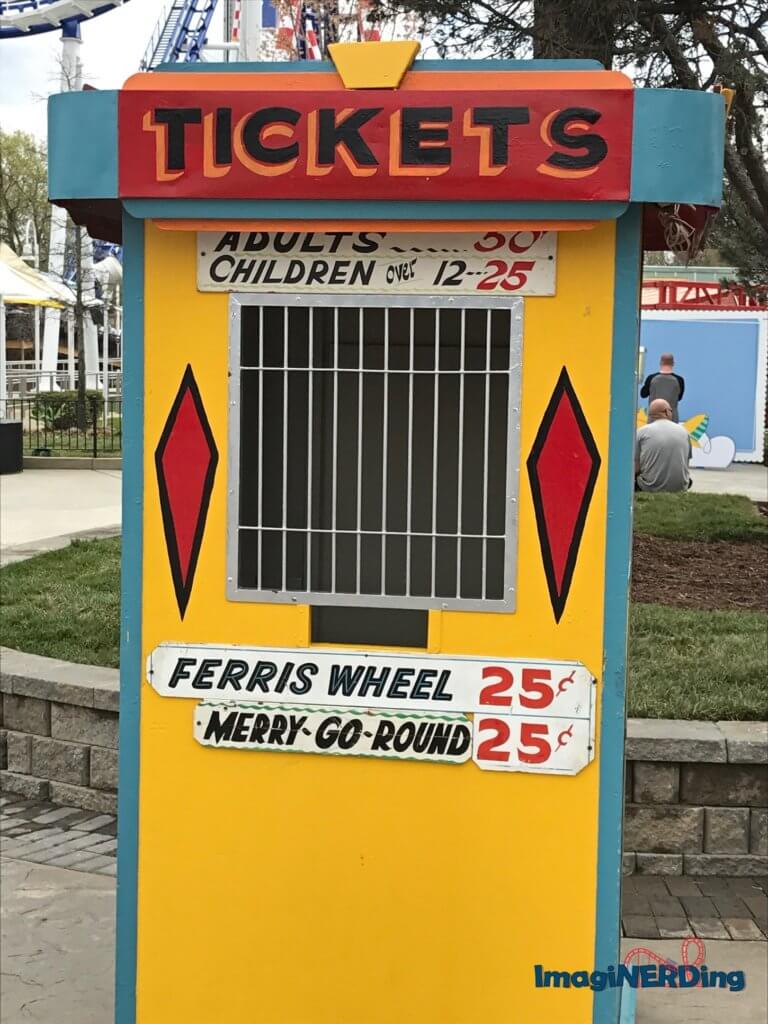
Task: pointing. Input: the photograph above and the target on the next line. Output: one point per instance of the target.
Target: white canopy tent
(22, 285)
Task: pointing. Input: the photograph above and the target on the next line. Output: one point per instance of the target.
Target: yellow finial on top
(373, 65)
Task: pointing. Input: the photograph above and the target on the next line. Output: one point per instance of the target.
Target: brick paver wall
(58, 740)
(696, 798)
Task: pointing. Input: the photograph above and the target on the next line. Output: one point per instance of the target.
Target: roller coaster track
(20, 18)
(180, 33)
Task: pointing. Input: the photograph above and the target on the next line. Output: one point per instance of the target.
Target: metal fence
(24, 380)
(56, 426)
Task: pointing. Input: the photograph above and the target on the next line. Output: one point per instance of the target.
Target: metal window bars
(374, 450)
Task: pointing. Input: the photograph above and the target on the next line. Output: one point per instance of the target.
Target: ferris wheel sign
(527, 715)
(489, 263)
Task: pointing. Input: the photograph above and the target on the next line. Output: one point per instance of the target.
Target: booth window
(374, 451)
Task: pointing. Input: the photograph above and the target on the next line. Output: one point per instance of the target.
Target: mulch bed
(690, 574)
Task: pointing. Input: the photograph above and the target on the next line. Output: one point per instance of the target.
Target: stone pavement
(672, 907)
(64, 837)
(41, 509)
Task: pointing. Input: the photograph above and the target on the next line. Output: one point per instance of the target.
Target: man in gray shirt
(662, 451)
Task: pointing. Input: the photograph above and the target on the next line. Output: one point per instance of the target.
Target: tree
(23, 190)
(737, 236)
(684, 44)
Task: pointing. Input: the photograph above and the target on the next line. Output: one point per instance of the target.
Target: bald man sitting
(662, 452)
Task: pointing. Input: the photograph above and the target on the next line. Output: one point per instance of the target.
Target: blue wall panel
(718, 357)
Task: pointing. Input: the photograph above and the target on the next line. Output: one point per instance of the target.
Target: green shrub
(58, 410)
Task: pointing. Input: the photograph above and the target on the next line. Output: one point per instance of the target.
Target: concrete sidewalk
(58, 938)
(740, 478)
(706, 1005)
(41, 509)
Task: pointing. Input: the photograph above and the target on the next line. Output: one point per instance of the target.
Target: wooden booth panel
(322, 890)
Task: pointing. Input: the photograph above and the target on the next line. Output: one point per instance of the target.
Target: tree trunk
(82, 416)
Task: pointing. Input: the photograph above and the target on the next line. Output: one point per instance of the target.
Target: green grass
(65, 604)
(682, 663)
(702, 517)
(697, 664)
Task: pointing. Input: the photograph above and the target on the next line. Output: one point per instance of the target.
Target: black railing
(56, 425)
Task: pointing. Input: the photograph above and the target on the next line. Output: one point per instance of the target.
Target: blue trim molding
(626, 334)
(628, 1005)
(677, 147)
(131, 672)
(361, 209)
(260, 67)
(82, 145)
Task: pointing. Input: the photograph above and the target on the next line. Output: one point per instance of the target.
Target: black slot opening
(385, 627)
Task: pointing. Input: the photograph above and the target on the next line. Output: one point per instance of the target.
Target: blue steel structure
(21, 18)
(179, 36)
(180, 33)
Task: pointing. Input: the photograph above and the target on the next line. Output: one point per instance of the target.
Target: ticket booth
(379, 389)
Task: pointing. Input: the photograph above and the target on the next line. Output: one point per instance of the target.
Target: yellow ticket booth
(380, 347)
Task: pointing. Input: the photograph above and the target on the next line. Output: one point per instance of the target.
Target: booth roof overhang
(373, 138)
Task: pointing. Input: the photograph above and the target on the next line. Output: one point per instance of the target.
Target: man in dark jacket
(665, 384)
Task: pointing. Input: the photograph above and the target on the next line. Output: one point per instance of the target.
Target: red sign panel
(370, 144)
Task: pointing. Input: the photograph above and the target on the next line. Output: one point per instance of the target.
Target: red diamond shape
(185, 460)
(562, 468)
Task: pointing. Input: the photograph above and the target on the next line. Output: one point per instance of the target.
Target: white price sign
(489, 263)
(344, 678)
(550, 746)
(352, 731)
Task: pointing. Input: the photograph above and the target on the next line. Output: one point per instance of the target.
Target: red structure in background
(659, 293)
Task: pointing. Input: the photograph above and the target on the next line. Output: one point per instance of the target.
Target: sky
(112, 47)
(113, 44)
